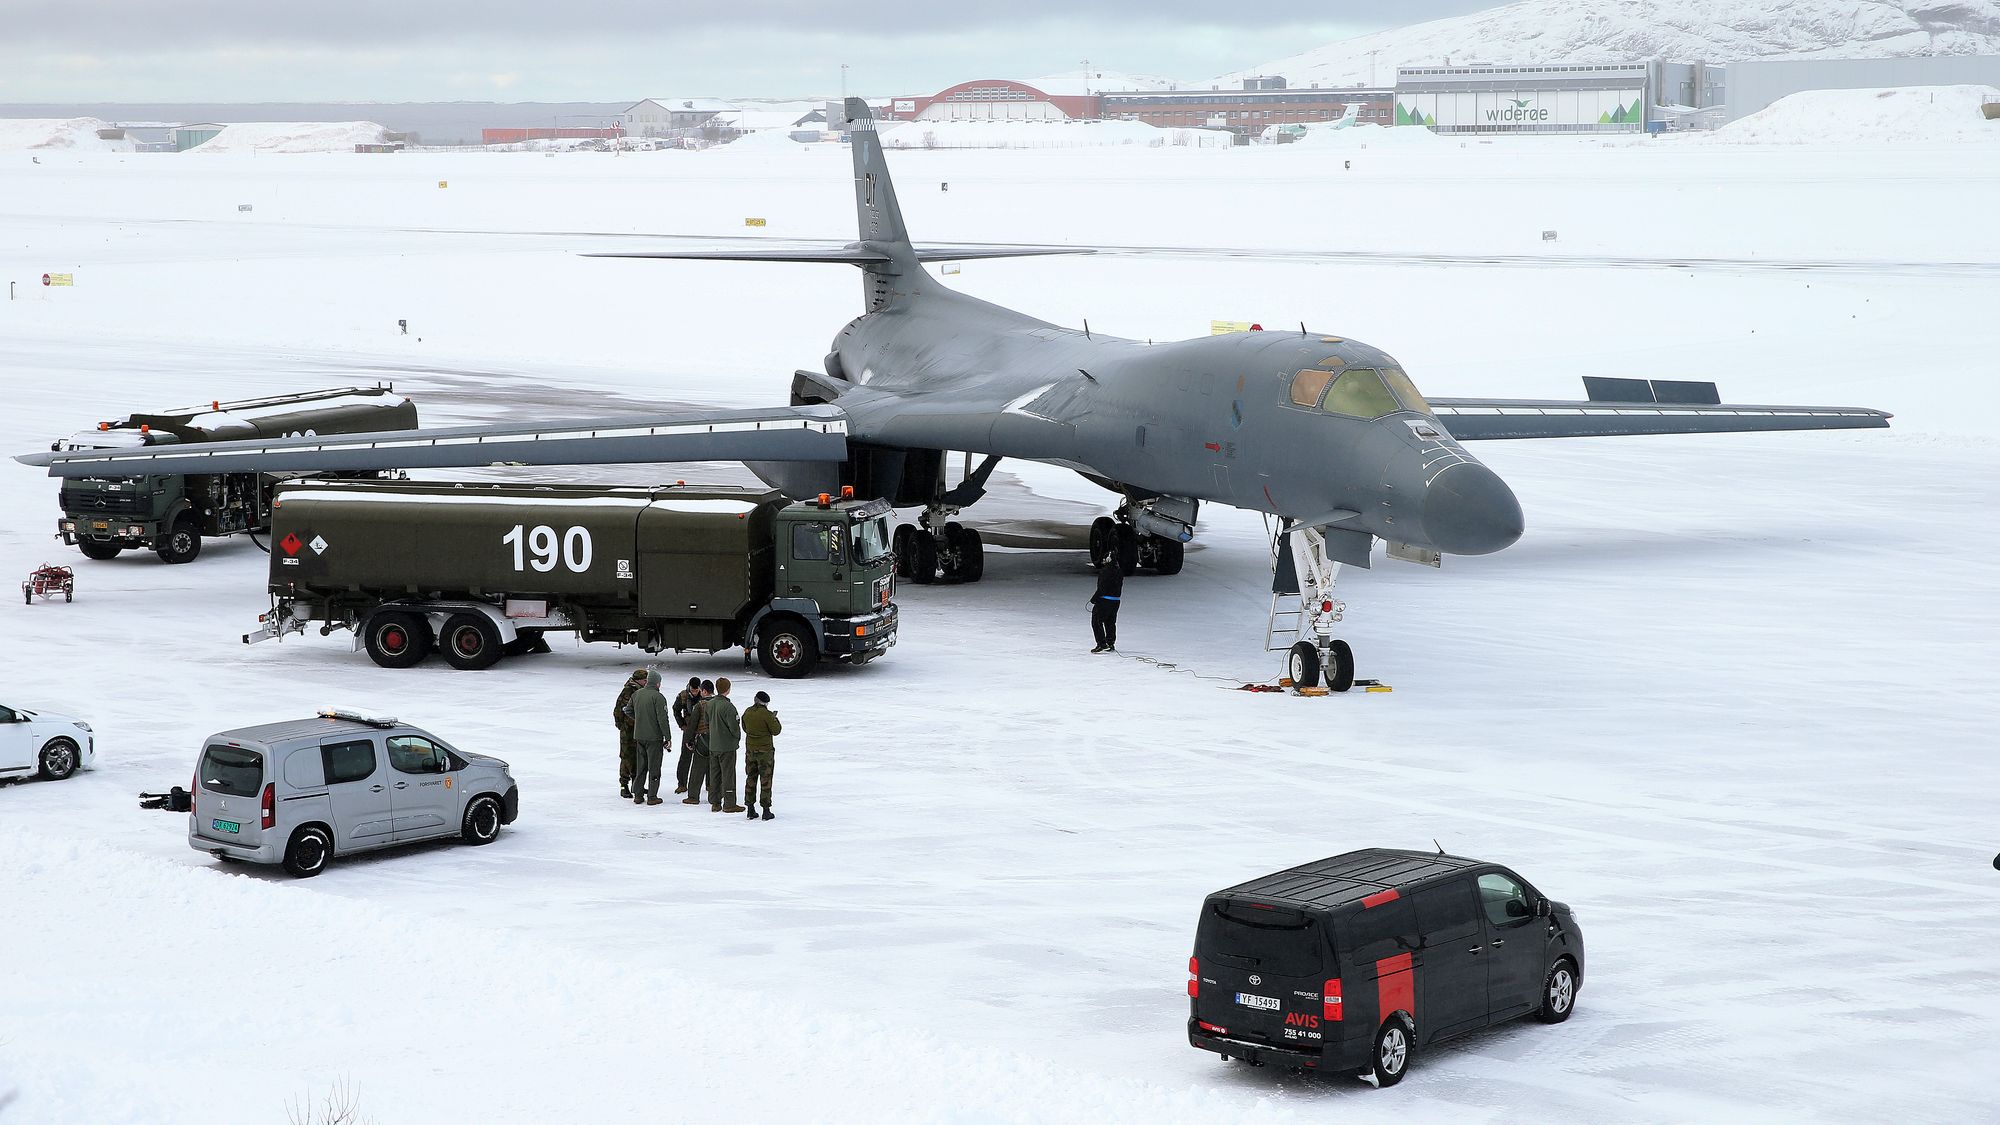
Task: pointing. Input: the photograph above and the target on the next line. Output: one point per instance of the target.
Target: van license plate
(1261, 1003)
(232, 826)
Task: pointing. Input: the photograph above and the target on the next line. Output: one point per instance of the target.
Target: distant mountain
(1594, 31)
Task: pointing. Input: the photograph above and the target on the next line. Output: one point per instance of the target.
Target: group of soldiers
(710, 732)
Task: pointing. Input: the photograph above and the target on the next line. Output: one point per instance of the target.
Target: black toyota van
(1349, 965)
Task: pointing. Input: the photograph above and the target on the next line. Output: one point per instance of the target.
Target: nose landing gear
(1303, 607)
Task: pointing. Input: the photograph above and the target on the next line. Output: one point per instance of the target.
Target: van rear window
(1279, 941)
(232, 771)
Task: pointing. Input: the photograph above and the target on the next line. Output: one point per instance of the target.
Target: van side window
(1447, 912)
(809, 542)
(1505, 899)
(348, 761)
(410, 754)
(1378, 932)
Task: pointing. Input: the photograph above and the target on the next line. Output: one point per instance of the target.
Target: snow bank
(294, 136)
(1371, 137)
(1904, 115)
(1046, 134)
(78, 133)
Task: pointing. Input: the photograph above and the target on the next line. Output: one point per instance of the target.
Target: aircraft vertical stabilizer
(881, 219)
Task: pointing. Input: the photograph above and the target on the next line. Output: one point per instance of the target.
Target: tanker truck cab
(836, 578)
(1352, 964)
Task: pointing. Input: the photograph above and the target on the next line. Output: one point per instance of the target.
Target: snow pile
(294, 136)
(1047, 134)
(1370, 137)
(1556, 32)
(52, 132)
(1905, 115)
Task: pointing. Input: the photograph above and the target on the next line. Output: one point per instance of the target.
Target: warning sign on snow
(58, 279)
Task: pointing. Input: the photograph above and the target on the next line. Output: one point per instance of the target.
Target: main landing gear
(1134, 533)
(1303, 607)
(939, 549)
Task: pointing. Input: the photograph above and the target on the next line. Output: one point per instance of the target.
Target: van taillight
(270, 804)
(1330, 1002)
(194, 787)
(1194, 976)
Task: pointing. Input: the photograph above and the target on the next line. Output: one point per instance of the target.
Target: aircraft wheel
(903, 549)
(971, 555)
(1171, 553)
(923, 558)
(1340, 675)
(1302, 665)
(1103, 531)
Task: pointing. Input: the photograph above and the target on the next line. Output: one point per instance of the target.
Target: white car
(37, 742)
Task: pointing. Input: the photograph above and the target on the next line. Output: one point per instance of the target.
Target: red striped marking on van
(1380, 897)
(1395, 985)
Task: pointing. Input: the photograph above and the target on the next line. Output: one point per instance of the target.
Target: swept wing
(1627, 407)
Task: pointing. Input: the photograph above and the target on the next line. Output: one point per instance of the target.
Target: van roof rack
(355, 717)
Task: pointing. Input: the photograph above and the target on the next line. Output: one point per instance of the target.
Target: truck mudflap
(863, 637)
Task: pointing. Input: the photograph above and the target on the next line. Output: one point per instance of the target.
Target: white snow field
(1730, 697)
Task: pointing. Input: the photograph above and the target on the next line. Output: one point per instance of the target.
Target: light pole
(843, 84)
(1371, 66)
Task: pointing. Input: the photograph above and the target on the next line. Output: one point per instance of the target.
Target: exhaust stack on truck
(480, 570)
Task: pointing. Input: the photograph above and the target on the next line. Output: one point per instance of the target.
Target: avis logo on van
(1301, 1019)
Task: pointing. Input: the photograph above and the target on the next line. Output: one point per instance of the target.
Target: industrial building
(1605, 98)
(1262, 102)
(993, 99)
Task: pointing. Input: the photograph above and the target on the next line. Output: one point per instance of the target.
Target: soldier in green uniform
(760, 756)
(621, 714)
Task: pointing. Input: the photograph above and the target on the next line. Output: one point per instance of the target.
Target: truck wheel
(1302, 665)
(397, 640)
(1170, 554)
(469, 642)
(182, 544)
(308, 852)
(901, 542)
(786, 648)
(92, 549)
(923, 558)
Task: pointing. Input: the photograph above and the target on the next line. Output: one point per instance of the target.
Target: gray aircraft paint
(1209, 419)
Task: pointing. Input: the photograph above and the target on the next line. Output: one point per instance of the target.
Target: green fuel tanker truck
(171, 514)
(481, 570)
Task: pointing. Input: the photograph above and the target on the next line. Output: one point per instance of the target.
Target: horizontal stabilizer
(853, 254)
(1492, 419)
(800, 433)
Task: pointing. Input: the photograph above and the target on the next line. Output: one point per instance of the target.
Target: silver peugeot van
(301, 792)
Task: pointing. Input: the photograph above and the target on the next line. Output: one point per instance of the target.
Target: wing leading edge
(800, 433)
(1629, 407)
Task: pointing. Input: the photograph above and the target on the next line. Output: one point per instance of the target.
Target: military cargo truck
(171, 514)
(480, 570)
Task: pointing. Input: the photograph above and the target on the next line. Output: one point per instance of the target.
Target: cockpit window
(1308, 385)
(1360, 393)
(1406, 391)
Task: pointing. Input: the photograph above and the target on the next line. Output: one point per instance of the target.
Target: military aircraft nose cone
(1469, 510)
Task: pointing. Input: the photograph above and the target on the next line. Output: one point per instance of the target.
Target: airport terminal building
(1606, 98)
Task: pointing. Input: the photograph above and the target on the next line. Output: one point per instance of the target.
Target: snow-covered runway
(1730, 697)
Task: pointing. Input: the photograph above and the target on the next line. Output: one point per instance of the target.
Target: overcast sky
(618, 50)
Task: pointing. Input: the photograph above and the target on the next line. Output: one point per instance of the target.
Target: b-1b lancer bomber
(1326, 434)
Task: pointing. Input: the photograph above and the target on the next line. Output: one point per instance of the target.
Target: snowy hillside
(74, 133)
(1594, 31)
(1095, 81)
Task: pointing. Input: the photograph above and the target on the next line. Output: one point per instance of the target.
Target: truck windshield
(871, 539)
(1284, 942)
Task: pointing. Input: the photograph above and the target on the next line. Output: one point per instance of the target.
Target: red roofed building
(994, 99)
